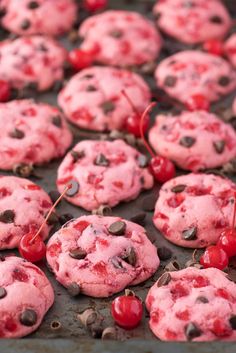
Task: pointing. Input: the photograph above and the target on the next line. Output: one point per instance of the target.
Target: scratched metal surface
(65, 309)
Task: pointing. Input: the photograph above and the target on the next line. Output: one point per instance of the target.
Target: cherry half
(197, 102)
(32, 246)
(80, 59)
(5, 91)
(214, 46)
(127, 310)
(95, 5)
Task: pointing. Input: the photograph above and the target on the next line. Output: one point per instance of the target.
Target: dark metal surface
(65, 308)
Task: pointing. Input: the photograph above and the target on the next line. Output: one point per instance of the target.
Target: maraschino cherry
(214, 46)
(95, 5)
(5, 91)
(32, 246)
(197, 102)
(127, 310)
(80, 59)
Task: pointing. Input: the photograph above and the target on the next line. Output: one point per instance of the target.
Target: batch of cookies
(99, 255)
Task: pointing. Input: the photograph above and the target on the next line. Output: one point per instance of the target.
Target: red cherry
(132, 125)
(197, 102)
(95, 5)
(80, 59)
(214, 46)
(162, 169)
(127, 311)
(214, 256)
(5, 91)
(32, 250)
(227, 242)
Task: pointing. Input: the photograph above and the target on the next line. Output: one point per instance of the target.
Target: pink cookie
(121, 38)
(32, 133)
(103, 173)
(23, 207)
(92, 99)
(230, 49)
(234, 105)
(193, 72)
(193, 21)
(194, 140)
(192, 210)
(101, 256)
(32, 61)
(193, 305)
(39, 17)
(25, 297)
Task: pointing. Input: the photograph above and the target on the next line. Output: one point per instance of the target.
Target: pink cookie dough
(103, 173)
(194, 140)
(92, 99)
(23, 208)
(39, 17)
(192, 210)
(193, 21)
(31, 133)
(234, 106)
(32, 61)
(121, 38)
(230, 49)
(193, 305)
(88, 254)
(25, 296)
(189, 72)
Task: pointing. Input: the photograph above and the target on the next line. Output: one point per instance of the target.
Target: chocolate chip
(77, 155)
(28, 317)
(187, 141)
(7, 216)
(87, 77)
(3, 292)
(232, 322)
(73, 289)
(164, 280)
(101, 160)
(91, 88)
(108, 107)
(117, 228)
(42, 47)
(23, 170)
(157, 16)
(178, 188)
(170, 81)
(190, 234)
(164, 253)
(116, 33)
(142, 161)
(78, 254)
(56, 120)
(96, 331)
(17, 134)
(73, 189)
(25, 24)
(172, 266)
(116, 262)
(219, 146)
(32, 5)
(103, 210)
(139, 218)
(216, 19)
(224, 81)
(64, 218)
(53, 219)
(130, 257)
(202, 299)
(192, 331)
(54, 195)
(148, 203)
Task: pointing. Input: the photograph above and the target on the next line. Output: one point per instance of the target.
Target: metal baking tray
(72, 336)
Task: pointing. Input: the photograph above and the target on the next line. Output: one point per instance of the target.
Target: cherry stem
(50, 212)
(131, 103)
(234, 215)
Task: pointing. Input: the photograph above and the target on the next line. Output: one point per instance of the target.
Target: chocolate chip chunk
(116, 33)
(73, 189)
(164, 253)
(96, 331)
(157, 16)
(216, 19)
(187, 141)
(25, 24)
(202, 299)
(101, 160)
(74, 289)
(7, 216)
(91, 88)
(170, 81)
(219, 146)
(224, 81)
(192, 331)
(53, 219)
(172, 266)
(23, 170)
(17, 134)
(164, 280)
(142, 161)
(178, 188)
(56, 120)
(148, 203)
(54, 195)
(139, 218)
(87, 77)
(103, 210)
(3, 292)
(108, 107)
(117, 228)
(190, 234)
(232, 322)
(32, 5)
(116, 262)
(78, 254)
(77, 155)
(28, 317)
(64, 218)
(130, 257)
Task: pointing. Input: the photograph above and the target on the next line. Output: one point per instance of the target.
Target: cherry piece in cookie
(214, 46)
(197, 102)
(95, 5)
(80, 59)
(5, 91)
(230, 49)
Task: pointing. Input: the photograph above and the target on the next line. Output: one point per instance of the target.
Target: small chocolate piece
(148, 203)
(116, 262)
(172, 266)
(78, 254)
(202, 299)
(73, 289)
(23, 170)
(56, 120)
(178, 188)
(55, 325)
(32, 5)
(157, 16)
(25, 24)
(109, 333)
(53, 219)
(101, 160)
(89, 317)
(17, 134)
(142, 161)
(130, 257)
(170, 81)
(64, 218)
(139, 218)
(91, 88)
(219, 146)
(190, 234)
(54, 195)
(87, 77)
(77, 155)
(7, 216)
(232, 322)
(73, 189)
(224, 81)
(28, 317)
(164, 253)
(103, 210)
(192, 331)
(96, 330)
(116, 33)
(3, 292)
(216, 19)
(164, 280)
(187, 141)
(108, 107)
(117, 228)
